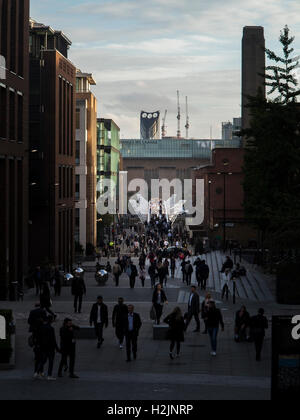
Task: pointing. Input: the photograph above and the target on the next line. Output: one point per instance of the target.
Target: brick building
(52, 136)
(14, 35)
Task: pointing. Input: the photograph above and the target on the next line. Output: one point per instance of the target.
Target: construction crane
(187, 125)
(164, 127)
(178, 116)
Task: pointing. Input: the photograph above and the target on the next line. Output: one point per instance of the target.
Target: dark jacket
(194, 306)
(177, 327)
(259, 324)
(78, 286)
(134, 272)
(36, 317)
(137, 323)
(155, 297)
(45, 297)
(214, 318)
(67, 338)
(94, 314)
(119, 316)
(244, 320)
(45, 339)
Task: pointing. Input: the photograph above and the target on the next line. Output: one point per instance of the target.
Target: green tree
(272, 160)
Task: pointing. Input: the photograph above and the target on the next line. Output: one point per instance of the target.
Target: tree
(282, 78)
(272, 160)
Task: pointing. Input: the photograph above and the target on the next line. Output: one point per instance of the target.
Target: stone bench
(86, 333)
(160, 332)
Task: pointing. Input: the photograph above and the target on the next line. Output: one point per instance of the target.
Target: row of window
(65, 117)
(11, 111)
(66, 177)
(12, 34)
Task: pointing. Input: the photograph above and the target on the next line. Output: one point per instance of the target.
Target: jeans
(64, 360)
(178, 346)
(50, 357)
(158, 310)
(213, 334)
(99, 332)
(131, 344)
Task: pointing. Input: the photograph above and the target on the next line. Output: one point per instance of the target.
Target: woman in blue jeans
(214, 320)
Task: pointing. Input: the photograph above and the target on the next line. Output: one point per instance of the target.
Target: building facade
(14, 148)
(52, 136)
(86, 161)
(109, 164)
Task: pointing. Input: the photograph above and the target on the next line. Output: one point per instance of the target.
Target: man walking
(68, 348)
(78, 290)
(259, 325)
(132, 329)
(99, 318)
(159, 299)
(133, 275)
(117, 271)
(213, 320)
(119, 319)
(193, 309)
(47, 343)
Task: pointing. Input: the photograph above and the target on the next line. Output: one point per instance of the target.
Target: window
(77, 119)
(20, 118)
(77, 187)
(77, 152)
(3, 97)
(12, 113)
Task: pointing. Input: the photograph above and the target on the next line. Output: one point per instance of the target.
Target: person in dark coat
(159, 299)
(78, 290)
(47, 344)
(176, 332)
(119, 319)
(259, 325)
(133, 275)
(36, 319)
(99, 318)
(38, 279)
(193, 309)
(57, 282)
(68, 348)
(228, 264)
(214, 320)
(152, 273)
(132, 329)
(242, 324)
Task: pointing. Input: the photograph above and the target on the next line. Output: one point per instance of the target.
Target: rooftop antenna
(164, 127)
(178, 116)
(187, 126)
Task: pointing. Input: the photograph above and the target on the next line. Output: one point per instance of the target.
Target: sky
(141, 52)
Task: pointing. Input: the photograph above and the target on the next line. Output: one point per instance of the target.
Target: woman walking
(176, 332)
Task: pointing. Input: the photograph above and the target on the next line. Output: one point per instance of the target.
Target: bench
(160, 332)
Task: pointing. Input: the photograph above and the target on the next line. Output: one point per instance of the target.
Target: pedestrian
(99, 318)
(204, 274)
(205, 307)
(214, 319)
(176, 331)
(225, 283)
(68, 348)
(38, 280)
(132, 329)
(259, 325)
(173, 266)
(57, 282)
(48, 346)
(227, 264)
(159, 299)
(143, 277)
(36, 318)
(242, 325)
(166, 271)
(152, 273)
(45, 299)
(117, 271)
(119, 319)
(193, 309)
(133, 275)
(78, 290)
(189, 272)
